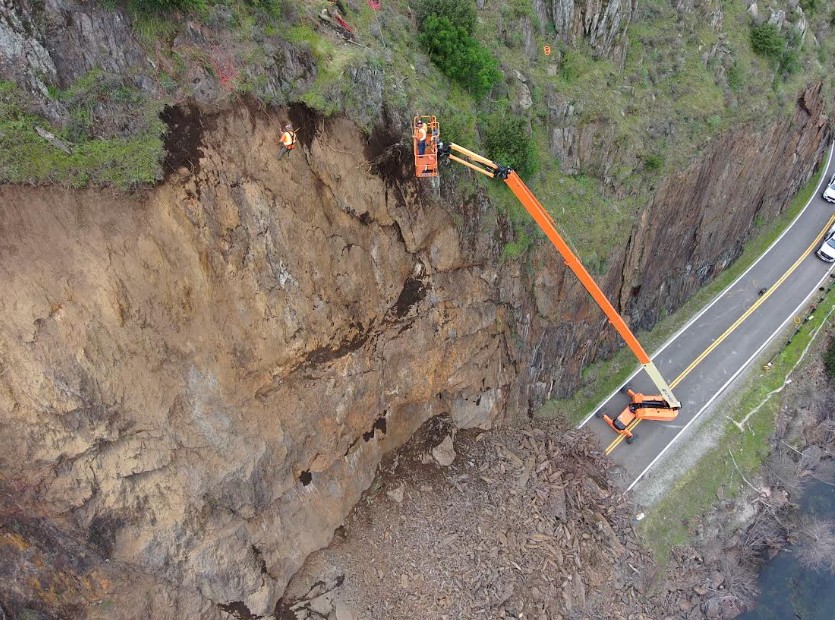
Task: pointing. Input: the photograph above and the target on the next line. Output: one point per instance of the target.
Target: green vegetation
(829, 358)
(25, 157)
(507, 142)
(162, 6)
(735, 452)
(459, 14)
(809, 6)
(766, 41)
(445, 34)
(653, 162)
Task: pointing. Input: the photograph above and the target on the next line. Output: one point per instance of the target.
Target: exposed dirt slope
(201, 380)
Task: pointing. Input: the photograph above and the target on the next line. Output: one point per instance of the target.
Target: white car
(829, 192)
(827, 250)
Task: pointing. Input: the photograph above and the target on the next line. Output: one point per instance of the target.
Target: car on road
(827, 249)
(829, 192)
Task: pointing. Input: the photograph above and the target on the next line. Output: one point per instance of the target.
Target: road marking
(699, 314)
(617, 441)
(728, 382)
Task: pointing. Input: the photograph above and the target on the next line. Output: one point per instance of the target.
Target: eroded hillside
(200, 379)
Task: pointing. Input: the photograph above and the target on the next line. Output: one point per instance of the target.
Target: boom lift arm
(493, 170)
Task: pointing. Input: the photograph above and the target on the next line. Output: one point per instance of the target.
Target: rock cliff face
(202, 380)
(208, 377)
(752, 172)
(602, 23)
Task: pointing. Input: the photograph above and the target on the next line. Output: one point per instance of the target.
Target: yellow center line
(616, 442)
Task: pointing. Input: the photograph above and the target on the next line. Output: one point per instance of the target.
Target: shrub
(829, 358)
(459, 56)
(766, 41)
(789, 62)
(460, 13)
(507, 142)
(571, 65)
(653, 162)
(809, 6)
(735, 77)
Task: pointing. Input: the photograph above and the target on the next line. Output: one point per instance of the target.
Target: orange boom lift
(664, 406)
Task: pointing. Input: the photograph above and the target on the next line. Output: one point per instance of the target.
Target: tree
(460, 13)
(507, 142)
(767, 42)
(459, 56)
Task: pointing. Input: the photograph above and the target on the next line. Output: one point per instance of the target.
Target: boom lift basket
(426, 165)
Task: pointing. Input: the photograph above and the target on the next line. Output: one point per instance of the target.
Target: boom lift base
(640, 407)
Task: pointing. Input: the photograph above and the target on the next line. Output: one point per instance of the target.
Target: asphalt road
(708, 353)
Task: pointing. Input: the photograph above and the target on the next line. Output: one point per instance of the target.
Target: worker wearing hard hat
(288, 140)
(420, 135)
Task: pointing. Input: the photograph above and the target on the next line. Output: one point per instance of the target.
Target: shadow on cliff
(184, 138)
(389, 153)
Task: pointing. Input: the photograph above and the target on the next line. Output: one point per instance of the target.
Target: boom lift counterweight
(665, 406)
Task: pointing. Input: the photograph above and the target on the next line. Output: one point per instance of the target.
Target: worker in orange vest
(420, 134)
(288, 140)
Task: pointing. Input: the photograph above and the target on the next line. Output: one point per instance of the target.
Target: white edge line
(672, 338)
(734, 376)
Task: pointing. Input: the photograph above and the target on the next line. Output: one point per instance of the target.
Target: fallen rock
(397, 494)
(322, 605)
(343, 612)
(444, 453)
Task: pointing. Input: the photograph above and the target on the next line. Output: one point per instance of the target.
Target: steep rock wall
(208, 376)
(602, 23)
(202, 380)
(750, 172)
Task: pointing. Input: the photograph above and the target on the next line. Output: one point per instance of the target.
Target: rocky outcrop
(751, 172)
(53, 43)
(601, 23)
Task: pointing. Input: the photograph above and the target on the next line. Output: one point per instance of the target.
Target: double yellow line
(617, 441)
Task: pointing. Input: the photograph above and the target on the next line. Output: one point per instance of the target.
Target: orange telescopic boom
(544, 220)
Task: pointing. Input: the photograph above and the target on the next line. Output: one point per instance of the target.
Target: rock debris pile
(524, 523)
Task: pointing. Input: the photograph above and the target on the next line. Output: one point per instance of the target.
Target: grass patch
(25, 157)
(602, 378)
(667, 523)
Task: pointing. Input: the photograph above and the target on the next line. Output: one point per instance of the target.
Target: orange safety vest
(288, 139)
(421, 133)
